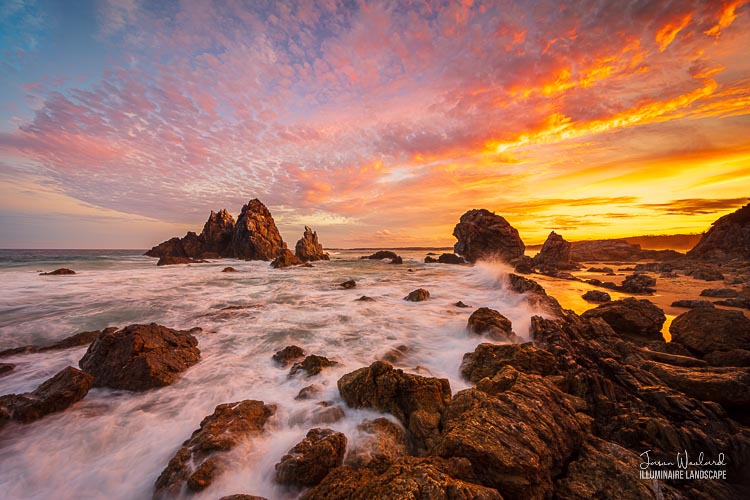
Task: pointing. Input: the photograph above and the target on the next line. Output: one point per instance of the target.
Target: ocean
(114, 444)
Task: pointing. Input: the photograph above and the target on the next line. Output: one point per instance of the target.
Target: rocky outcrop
(288, 355)
(451, 258)
(58, 272)
(616, 250)
(631, 317)
(312, 459)
(720, 293)
(285, 259)
(638, 284)
(488, 359)
(490, 322)
(418, 295)
(692, 303)
(381, 254)
(140, 357)
(203, 457)
(596, 296)
(56, 394)
(308, 247)
(256, 236)
(555, 253)
(312, 365)
(482, 234)
(213, 242)
(728, 238)
(418, 402)
(348, 284)
(706, 330)
(381, 442)
(76, 340)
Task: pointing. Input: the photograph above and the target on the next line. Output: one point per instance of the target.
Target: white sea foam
(114, 444)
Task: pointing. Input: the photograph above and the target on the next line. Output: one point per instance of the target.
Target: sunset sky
(125, 122)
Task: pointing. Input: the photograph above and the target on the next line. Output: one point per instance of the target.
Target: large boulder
(56, 394)
(256, 236)
(203, 457)
(728, 238)
(517, 430)
(308, 247)
(308, 462)
(408, 477)
(486, 321)
(705, 330)
(631, 317)
(488, 359)
(555, 253)
(418, 402)
(140, 357)
(482, 234)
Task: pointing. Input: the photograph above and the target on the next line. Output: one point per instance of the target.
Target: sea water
(114, 444)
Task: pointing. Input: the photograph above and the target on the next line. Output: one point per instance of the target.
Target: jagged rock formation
(312, 458)
(213, 242)
(482, 234)
(256, 236)
(555, 253)
(285, 259)
(308, 248)
(728, 238)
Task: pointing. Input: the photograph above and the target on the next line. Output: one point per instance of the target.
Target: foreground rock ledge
(140, 357)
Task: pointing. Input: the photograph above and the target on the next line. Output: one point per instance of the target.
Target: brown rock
(461, 304)
(312, 458)
(172, 261)
(201, 458)
(692, 303)
(535, 293)
(229, 270)
(288, 354)
(308, 392)
(396, 354)
(639, 284)
(76, 340)
(217, 233)
(6, 368)
(312, 365)
(488, 321)
(488, 359)
(240, 496)
(555, 253)
(58, 272)
(482, 234)
(285, 259)
(256, 236)
(308, 247)
(596, 296)
(416, 401)
(720, 293)
(365, 298)
(327, 415)
(348, 284)
(734, 357)
(382, 443)
(728, 238)
(631, 317)
(381, 254)
(56, 394)
(140, 357)
(711, 329)
(418, 295)
(605, 250)
(450, 258)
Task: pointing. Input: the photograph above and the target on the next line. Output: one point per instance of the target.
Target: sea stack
(482, 234)
(308, 247)
(728, 238)
(256, 236)
(555, 253)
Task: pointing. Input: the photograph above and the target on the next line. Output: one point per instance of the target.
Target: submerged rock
(631, 317)
(381, 254)
(256, 236)
(488, 321)
(202, 457)
(711, 329)
(418, 295)
(308, 248)
(416, 401)
(6, 368)
(312, 365)
(482, 234)
(58, 272)
(348, 284)
(76, 340)
(288, 354)
(383, 442)
(229, 270)
(461, 304)
(312, 459)
(140, 357)
(56, 394)
(173, 261)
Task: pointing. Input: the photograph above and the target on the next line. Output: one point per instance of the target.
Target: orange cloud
(669, 31)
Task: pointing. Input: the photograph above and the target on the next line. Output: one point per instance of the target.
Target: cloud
(697, 206)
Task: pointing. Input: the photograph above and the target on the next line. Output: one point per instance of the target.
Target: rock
(603, 469)
(365, 298)
(495, 325)
(77, 340)
(450, 258)
(348, 284)
(140, 357)
(396, 354)
(397, 260)
(308, 248)
(58, 272)
(312, 364)
(418, 295)
(242, 497)
(202, 457)
(381, 254)
(415, 401)
(430, 260)
(213, 242)
(672, 359)
(734, 357)
(601, 270)
(256, 236)
(535, 293)
(488, 359)
(630, 317)
(739, 302)
(308, 392)
(711, 329)
(408, 477)
(482, 234)
(288, 354)
(692, 303)
(460, 304)
(172, 261)
(327, 415)
(728, 238)
(555, 253)
(517, 430)
(706, 274)
(285, 259)
(382, 443)
(604, 250)
(525, 265)
(596, 296)
(729, 387)
(56, 394)
(312, 459)
(720, 293)
(229, 270)
(6, 368)
(638, 283)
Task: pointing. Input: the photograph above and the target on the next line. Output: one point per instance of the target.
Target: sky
(125, 122)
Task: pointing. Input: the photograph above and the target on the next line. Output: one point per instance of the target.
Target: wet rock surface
(287, 355)
(310, 460)
(285, 259)
(596, 296)
(76, 340)
(488, 359)
(346, 285)
(203, 456)
(384, 442)
(632, 317)
(140, 357)
(418, 295)
(311, 365)
(486, 321)
(482, 234)
(59, 272)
